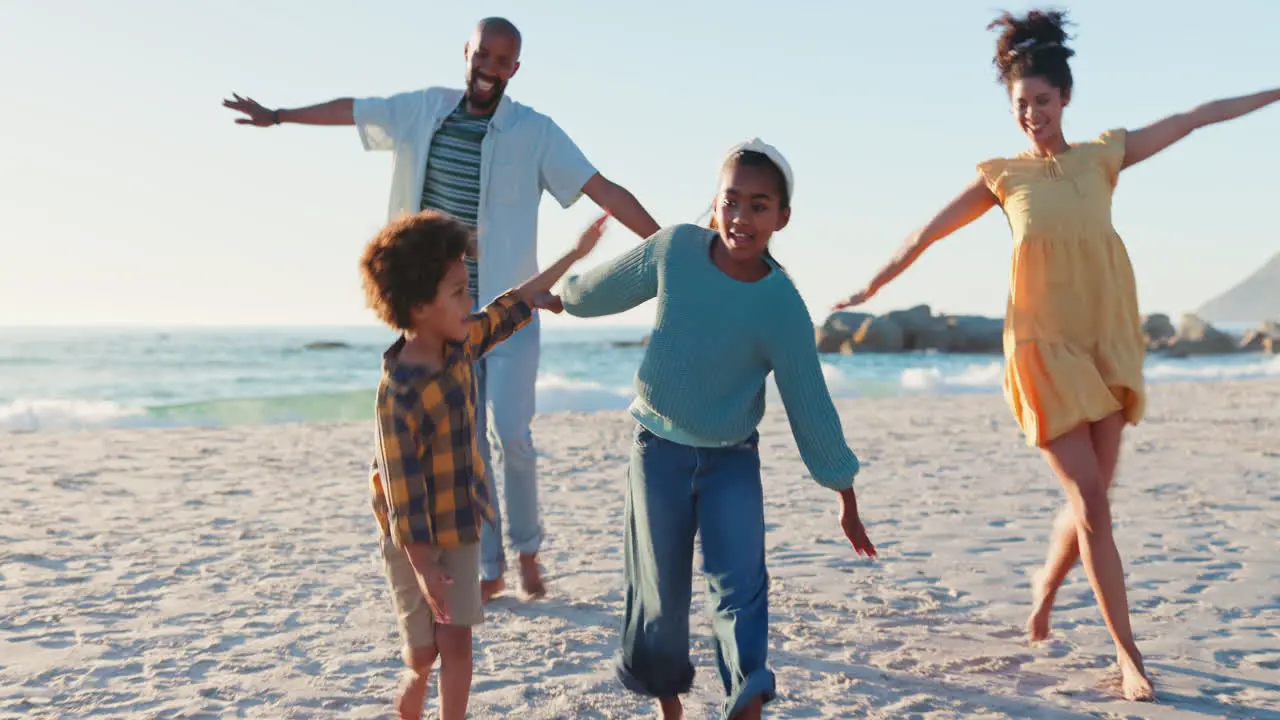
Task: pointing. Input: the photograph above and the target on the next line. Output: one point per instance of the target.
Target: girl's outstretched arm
(815, 424)
(619, 285)
(1142, 144)
(969, 205)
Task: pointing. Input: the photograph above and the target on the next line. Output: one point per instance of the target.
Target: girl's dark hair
(1034, 45)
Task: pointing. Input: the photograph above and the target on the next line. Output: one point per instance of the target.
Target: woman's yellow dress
(1073, 339)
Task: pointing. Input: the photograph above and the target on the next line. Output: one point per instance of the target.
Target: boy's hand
(547, 301)
(432, 580)
(434, 583)
(852, 525)
(587, 241)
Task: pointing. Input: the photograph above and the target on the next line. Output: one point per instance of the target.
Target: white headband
(771, 152)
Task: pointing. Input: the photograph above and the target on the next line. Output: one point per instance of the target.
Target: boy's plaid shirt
(428, 479)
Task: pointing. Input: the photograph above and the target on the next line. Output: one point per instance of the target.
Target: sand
(191, 573)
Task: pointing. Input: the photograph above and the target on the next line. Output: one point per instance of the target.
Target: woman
(1073, 336)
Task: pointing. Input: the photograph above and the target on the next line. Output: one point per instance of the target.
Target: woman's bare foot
(413, 695)
(489, 589)
(531, 577)
(671, 708)
(1041, 607)
(1134, 682)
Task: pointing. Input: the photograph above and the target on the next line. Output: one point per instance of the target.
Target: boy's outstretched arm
(514, 309)
(538, 288)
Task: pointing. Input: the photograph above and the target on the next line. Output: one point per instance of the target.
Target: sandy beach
(217, 573)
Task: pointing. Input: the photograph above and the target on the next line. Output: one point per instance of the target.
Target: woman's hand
(855, 299)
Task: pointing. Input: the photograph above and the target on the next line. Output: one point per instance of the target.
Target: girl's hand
(587, 241)
(855, 299)
(857, 535)
(852, 524)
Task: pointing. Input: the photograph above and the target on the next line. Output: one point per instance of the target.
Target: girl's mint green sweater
(715, 342)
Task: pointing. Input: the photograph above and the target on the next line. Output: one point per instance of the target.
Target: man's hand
(852, 524)
(256, 114)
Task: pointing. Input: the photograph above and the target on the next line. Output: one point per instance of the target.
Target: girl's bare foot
(1135, 684)
(671, 708)
(1041, 607)
(531, 577)
(413, 695)
(489, 589)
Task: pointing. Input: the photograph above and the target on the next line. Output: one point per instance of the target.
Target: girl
(728, 315)
(1073, 336)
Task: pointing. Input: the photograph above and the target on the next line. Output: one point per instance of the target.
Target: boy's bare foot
(1135, 684)
(1041, 607)
(531, 576)
(489, 589)
(753, 711)
(413, 695)
(671, 708)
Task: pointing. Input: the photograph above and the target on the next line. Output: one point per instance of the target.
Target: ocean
(66, 379)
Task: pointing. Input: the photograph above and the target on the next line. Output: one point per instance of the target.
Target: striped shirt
(452, 183)
(427, 478)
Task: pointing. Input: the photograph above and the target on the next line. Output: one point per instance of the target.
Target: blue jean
(674, 492)
(506, 386)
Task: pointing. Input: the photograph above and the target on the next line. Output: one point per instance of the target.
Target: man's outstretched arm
(334, 112)
(619, 202)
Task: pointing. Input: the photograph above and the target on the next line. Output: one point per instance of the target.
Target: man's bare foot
(671, 708)
(1041, 607)
(531, 577)
(1134, 682)
(753, 711)
(413, 695)
(489, 589)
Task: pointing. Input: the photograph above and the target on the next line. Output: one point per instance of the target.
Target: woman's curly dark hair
(403, 264)
(1034, 45)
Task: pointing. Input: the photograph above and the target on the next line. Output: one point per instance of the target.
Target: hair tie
(1029, 46)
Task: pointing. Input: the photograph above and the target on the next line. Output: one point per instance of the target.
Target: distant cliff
(1255, 298)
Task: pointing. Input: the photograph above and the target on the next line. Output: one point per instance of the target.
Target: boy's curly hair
(403, 264)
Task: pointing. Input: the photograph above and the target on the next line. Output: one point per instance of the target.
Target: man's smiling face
(493, 57)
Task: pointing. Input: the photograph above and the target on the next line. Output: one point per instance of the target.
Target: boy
(430, 493)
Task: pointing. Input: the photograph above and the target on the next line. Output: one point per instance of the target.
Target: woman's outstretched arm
(969, 205)
(1142, 144)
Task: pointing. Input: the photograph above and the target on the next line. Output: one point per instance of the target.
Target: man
(486, 160)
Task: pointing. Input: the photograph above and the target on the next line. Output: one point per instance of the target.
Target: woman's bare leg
(1075, 460)
(1064, 545)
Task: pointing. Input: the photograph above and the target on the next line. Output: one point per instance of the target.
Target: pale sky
(128, 196)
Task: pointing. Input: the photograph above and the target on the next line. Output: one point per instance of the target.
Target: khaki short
(417, 622)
